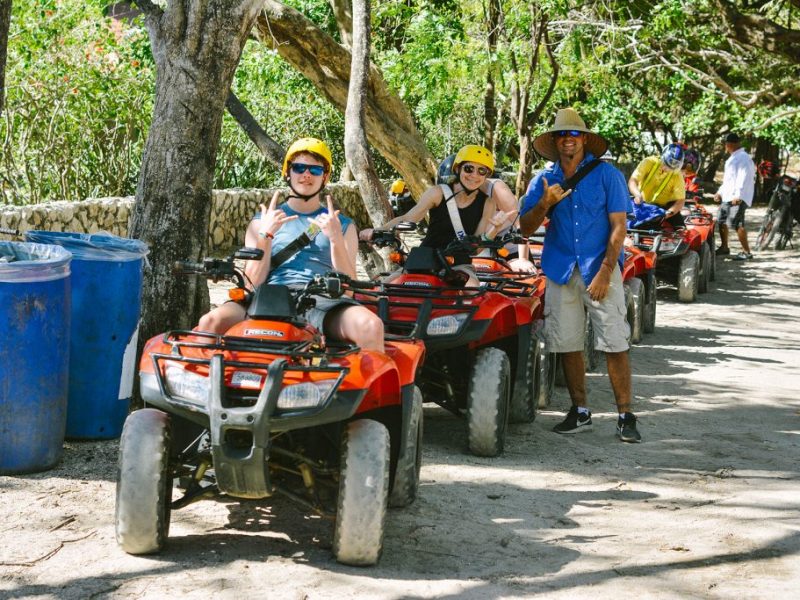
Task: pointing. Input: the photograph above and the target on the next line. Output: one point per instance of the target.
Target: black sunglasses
(567, 132)
(301, 168)
(469, 170)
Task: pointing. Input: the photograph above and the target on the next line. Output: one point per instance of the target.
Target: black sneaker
(575, 422)
(626, 429)
(722, 251)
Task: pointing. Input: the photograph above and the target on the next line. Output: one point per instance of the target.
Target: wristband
(605, 264)
(266, 235)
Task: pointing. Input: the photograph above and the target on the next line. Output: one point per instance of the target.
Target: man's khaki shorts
(565, 310)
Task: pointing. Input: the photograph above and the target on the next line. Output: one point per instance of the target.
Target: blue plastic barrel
(106, 301)
(34, 355)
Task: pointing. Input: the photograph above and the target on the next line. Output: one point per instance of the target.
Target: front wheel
(688, 276)
(144, 485)
(487, 400)
(769, 227)
(651, 293)
(363, 493)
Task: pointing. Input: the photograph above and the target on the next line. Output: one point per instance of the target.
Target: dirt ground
(706, 507)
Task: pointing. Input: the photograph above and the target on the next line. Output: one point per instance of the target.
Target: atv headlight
(447, 325)
(305, 395)
(668, 245)
(186, 384)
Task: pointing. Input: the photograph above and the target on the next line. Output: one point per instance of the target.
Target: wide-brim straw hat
(568, 119)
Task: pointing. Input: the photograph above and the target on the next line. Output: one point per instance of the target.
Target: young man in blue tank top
(306, 169)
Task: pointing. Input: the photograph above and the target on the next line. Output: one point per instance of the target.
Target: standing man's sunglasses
(469, 170)
(300, 168)
(568, 132)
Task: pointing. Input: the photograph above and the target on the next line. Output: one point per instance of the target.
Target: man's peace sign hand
(329, 222)
(272, 218)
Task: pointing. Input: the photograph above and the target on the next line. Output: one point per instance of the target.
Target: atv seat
(273, 302)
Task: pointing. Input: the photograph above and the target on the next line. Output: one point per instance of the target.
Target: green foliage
(79, 99)
(80, 86)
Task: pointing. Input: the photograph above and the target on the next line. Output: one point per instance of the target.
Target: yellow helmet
(307, 144)
(398, 187)
(476, 154)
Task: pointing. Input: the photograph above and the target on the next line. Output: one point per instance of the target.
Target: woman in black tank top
(440, 227)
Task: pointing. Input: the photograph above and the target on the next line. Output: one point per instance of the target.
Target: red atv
(685, 255)
(481, 357)
(701, 220)
(272, 407)
(639, 279)
(528, 289)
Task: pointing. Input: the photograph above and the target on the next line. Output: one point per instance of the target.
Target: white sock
(582, 410)
(621, 416)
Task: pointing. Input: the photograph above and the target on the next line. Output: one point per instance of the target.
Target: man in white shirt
(736, 195)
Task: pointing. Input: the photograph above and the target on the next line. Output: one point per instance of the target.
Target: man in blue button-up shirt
(582, 257)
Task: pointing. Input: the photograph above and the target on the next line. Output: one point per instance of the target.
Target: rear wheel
(363, 493)
(636, 313)
(144, 485)
(409, 462)
(784, 236)
(548, 364)
(712, 246)
(591, 356)
(488, 398)
(651, 293)
(704, 274)
(688, 276)
(524, 400)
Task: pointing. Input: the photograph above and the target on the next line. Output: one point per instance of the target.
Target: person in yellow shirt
(658, 180)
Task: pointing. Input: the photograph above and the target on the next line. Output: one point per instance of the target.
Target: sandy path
(707, 507)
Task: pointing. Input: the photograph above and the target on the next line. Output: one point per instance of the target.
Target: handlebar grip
(360, 285)
(185, 266)
(7, 231)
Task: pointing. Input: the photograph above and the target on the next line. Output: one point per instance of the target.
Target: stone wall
(231, 211)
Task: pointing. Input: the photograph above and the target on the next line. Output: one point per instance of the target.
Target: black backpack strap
(293, 247)
(570, 183)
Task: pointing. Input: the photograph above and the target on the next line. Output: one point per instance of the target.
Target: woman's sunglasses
(300, 168)
(469, 170)
(568, 132)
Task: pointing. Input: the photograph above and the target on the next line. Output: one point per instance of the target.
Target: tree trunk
(344, 21)
(196, 47)
(356, 149)
(5, 24)
(493, 13)
(390, 127)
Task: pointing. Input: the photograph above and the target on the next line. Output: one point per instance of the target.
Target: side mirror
(249, 254)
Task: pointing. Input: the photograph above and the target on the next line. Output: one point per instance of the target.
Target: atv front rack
(240, 423)
(432, 302)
